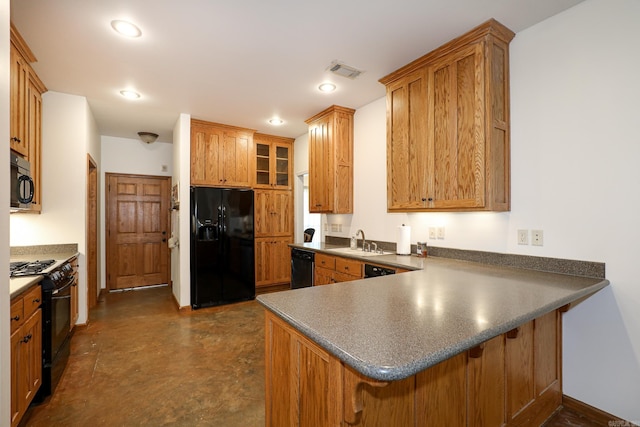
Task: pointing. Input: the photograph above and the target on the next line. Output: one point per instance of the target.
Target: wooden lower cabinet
(26, 351)
(510, 380)
(273, 260)
(332, 269)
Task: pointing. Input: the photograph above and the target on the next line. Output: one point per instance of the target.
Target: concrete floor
(140, 362)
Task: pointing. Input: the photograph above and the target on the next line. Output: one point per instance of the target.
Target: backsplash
(527, 262)
(44, 249)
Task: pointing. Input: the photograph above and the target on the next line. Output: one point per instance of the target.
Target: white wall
(5, 357)
(575, 149)
(69, 132)
(180, 256)
(128, 156)
(300, 167)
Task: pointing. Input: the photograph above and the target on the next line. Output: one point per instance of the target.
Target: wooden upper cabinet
(221, 155)
(273, 213)
(407, 141)
(331, 161)
(19, 79)
(274, 162)
(26, 91)
(448, 126)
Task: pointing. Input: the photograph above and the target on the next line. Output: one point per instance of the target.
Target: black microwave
(22, 188)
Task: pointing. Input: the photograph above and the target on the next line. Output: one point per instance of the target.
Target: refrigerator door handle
(224, 220)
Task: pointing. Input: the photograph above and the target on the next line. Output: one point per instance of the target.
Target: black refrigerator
(222, 254)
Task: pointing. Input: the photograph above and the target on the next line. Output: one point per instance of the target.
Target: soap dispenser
(354, 243)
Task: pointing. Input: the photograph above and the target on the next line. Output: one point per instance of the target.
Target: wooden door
(137, 221)
(235, 158)
(273, 259)
(282, 208)
(263, 212)
(92, 232)
(456, 131)
(34, 137)
(320, 167)
(407, 144)
(19, 80)
(31, 357)
(205, 148)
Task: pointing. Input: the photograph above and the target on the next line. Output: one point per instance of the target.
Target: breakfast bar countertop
(391, 327)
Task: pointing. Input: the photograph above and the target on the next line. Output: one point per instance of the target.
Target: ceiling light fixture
(275, 121)
(327, 87)
(130, 94)
(126, 28)
(148, 137)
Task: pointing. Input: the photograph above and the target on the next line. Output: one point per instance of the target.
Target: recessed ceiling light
(327, 87)
(126, 28)
(130, 94)
(276, 121)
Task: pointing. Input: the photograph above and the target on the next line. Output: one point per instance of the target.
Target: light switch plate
(523, 237)
(432, 232)
(441, 233)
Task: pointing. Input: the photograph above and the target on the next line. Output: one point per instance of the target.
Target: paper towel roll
(403, 240)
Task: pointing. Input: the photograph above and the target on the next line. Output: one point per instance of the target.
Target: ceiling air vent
(344, 70)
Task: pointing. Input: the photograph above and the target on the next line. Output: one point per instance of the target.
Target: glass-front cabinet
(273, 161)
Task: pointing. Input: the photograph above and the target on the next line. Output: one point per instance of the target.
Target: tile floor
(141, 363)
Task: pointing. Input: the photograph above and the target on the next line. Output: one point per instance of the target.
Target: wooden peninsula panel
(512, 379)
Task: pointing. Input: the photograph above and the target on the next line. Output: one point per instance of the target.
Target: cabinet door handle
(37, 300)
(16, 318)
(27, 338)
(16, 139)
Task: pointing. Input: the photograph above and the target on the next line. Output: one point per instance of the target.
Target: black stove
(29, 268)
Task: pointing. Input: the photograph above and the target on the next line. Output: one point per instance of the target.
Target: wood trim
(333, 108)
(21, 45)
(597, 415)
(490, 27)
(92, 233)
(197, 122)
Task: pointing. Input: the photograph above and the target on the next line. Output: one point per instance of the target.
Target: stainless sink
(358, 252)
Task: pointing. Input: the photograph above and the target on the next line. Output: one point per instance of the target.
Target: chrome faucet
(363, 240)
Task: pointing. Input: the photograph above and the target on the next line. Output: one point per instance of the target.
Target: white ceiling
(241, 62)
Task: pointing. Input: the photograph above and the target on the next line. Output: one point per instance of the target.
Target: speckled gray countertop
(391, 327)
(408, 262)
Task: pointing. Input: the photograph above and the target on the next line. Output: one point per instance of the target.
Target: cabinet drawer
(342, 277)
(325, 261)
(32, 300)
(17, 313)
(349, 266)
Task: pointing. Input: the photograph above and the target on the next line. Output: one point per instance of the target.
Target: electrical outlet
(537, 237)
(440, 232)
(523, 237)
(432, 232)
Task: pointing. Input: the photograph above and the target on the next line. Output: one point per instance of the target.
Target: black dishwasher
(301, 268)
(376, 271)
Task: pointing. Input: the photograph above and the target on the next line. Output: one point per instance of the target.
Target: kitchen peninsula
(455, 343)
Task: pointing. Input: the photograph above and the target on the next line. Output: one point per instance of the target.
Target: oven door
(60, 316)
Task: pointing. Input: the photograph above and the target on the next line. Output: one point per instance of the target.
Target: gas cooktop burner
(29, 268)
